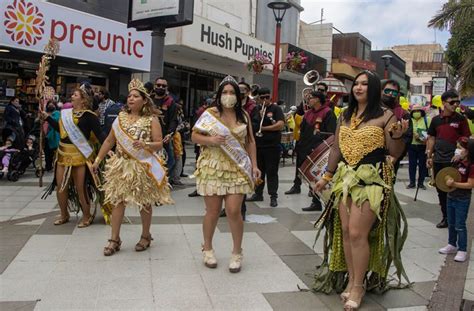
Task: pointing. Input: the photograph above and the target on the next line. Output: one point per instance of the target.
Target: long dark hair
(374, 107)
(470, 150)
(239, 113)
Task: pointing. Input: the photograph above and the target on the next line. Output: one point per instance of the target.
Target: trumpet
(262, 113)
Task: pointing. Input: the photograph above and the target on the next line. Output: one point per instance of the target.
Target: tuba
(310, 78)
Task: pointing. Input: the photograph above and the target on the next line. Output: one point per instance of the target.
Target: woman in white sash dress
(218, 175)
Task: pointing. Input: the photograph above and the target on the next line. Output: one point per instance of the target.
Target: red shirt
(466, 170)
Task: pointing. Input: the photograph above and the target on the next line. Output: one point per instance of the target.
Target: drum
(286, 137)
(315, 165)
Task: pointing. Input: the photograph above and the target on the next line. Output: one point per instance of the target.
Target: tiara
(86, 89)
(229, 78)
(138, 85)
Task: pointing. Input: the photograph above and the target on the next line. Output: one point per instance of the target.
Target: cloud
(384, 23)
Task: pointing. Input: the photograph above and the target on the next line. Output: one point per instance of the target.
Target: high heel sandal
(61, 221)
(352, 304)
(86, 223)
(139, 247)
(209, 258)
(110, 250)
(345, 294)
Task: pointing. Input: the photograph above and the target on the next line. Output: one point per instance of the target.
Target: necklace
(355, 121)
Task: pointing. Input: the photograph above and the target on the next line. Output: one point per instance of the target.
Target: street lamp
(386, 60)
(279, 9)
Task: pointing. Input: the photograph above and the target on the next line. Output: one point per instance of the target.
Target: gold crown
(136, 84)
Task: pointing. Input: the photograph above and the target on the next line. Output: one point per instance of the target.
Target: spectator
(111, 114)
(51, 135)
(14, 121)
(104, 103)
(417, 148)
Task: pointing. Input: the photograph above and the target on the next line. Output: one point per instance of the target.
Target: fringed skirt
(372, 183)
(216, 174)
(127, 181)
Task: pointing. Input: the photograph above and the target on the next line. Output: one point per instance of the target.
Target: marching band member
(134, 174)
(318, 122)
(363, 201)
(79, 128)
(226, 168)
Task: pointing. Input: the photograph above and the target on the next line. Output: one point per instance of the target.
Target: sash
(211, 125)
(150, 160)
(74, 133)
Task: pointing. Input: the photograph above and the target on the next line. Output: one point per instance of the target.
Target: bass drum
(313, 168)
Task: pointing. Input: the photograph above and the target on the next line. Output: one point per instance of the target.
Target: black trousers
(48, 156)
(268, 160)
(442, 196)
(183, 157)
(297, 181)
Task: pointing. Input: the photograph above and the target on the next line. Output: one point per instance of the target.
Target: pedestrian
(444, 131)
(134, 175)
(417, 148)
(226, 168)
(319, 122)
(112, 112)
(75, 127)
(51, 135)
(15, 118)
(363, 201)
(104, 103)
(459, 200)
(268, 120)
(168, 120)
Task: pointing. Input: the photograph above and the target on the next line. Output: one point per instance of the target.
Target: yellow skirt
(69, 155)
(127, 181)
(216, 174)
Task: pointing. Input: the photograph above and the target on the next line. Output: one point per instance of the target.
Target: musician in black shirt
(268, 138)
(319, 122)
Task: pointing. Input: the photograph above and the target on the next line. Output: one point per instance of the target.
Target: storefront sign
(142, 9)
(216, 39)
(440, 85)
(28, 24)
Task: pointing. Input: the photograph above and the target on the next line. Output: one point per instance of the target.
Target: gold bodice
(139, 129)
(355, 144)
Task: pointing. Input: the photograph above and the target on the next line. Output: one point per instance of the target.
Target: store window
(416, 89)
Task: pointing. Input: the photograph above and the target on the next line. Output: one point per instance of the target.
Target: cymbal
(445, 174)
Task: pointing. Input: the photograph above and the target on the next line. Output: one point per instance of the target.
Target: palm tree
(454, 16)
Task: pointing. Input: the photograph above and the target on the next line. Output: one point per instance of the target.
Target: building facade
(423, 62)
(393, 69)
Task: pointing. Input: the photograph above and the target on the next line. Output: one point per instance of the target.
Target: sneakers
(460, 256)
(235, 263)
(209, 259)
(448, 249)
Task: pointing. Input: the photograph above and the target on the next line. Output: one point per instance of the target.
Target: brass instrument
(311, 78)
(262, 114)
(432, 182)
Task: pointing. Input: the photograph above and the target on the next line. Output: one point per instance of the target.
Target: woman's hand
(138, 144)
(320, 185)
(429, 163)
(256, 173)
(43, 115)
(95, 166)
(216, 140)
(399, 128)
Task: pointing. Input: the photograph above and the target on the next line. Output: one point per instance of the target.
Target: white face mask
(458, 152)
(228, 101)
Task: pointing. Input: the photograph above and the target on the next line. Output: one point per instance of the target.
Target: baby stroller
(21, 160)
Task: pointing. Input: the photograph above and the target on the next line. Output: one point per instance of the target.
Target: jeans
(457, 215)
(417, 158)
(178, 167)
(442, 196)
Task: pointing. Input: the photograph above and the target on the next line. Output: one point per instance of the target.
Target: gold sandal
(109, 251)
(139, 247)
(61, 221)
(87, 223)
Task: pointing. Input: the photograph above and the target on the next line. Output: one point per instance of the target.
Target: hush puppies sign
(29, 24)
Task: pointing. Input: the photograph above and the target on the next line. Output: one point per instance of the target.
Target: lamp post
(279, 9)
(386, 60)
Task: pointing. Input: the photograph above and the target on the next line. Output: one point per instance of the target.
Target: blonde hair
(87, 98)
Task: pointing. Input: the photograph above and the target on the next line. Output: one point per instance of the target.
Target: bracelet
(326, 177)
(396, 138)
(97, 160)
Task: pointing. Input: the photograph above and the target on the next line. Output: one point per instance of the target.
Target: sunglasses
(391, 91)
(265, 97)
(321, 90)
(164, 86)
(453, 102)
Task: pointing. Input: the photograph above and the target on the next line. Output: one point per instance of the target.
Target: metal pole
(276, 67)
(157, 52)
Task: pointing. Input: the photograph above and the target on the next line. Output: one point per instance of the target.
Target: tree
(458, 17)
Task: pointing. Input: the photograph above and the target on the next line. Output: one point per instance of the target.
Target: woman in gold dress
(226, 167)
(134, 174)
(363, 218)
(79, 128)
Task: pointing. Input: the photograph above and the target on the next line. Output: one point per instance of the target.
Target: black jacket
(169, 109)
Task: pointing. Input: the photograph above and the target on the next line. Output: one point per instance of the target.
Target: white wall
(317, 39)
(240, 15)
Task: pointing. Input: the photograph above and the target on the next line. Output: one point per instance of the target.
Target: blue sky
(384, 23)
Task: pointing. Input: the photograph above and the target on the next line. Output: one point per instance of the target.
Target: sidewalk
(46, 267)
